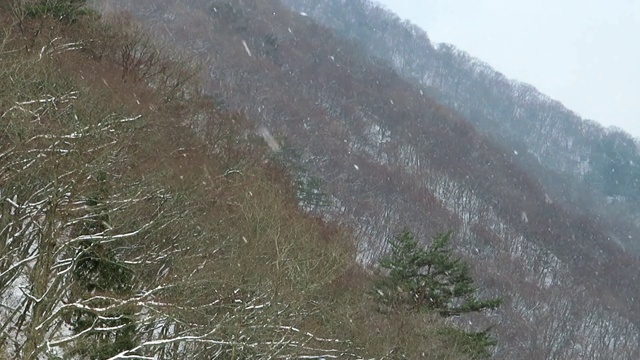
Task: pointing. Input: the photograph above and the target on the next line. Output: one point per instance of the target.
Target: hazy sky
(584, 53)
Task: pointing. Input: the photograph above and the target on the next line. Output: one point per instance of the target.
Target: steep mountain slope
(391, 156)
(592, 170)
(139, 219)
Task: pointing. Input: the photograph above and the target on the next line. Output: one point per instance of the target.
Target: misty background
(581, 53)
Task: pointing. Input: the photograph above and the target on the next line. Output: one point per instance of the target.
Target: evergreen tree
(309, 189)
(97, 271)
(435, 280)
(65, 10)
(431, 279)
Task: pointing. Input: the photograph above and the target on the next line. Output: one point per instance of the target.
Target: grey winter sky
(583, 53)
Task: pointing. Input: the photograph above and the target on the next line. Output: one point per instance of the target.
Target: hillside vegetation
(593, 171)
(140, 219)
(390, 155)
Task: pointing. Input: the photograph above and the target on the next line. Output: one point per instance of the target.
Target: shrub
(65, 10)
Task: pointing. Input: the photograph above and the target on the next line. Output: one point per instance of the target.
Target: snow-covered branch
(52, 49)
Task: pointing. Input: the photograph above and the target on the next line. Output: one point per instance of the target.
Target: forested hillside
(141, 218)
(594, 171)
(388, 155)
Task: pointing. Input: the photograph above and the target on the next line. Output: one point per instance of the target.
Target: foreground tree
(434, 280)
(98, 269)
(431, 279)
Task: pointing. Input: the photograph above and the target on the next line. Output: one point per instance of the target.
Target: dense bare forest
(390, 155)
(220, 179)
(141, 217)
(594, 171)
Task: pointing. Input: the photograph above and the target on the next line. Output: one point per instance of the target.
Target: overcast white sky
(584, 53)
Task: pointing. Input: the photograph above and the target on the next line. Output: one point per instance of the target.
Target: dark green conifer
(433, 279)
(97, 271)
